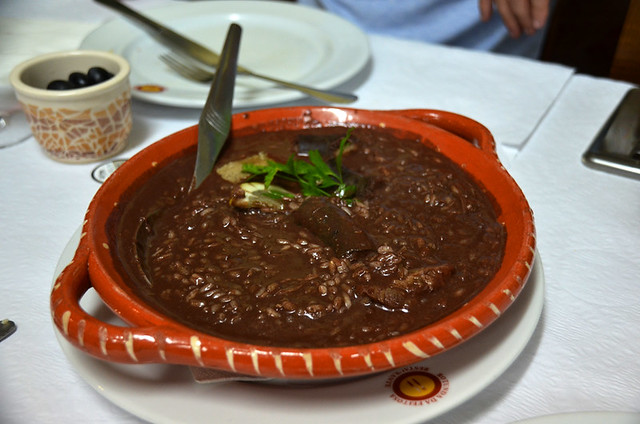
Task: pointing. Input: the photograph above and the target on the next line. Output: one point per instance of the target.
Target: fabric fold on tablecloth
(20, 36)
(509, 95)
(23, 39)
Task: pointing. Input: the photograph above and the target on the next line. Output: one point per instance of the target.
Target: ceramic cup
(82, 124)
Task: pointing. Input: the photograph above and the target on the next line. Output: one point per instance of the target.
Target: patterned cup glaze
(79, 125)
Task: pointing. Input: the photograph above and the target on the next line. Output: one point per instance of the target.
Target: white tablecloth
(583, 355)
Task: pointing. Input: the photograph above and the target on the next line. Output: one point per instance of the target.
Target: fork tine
(176, 66)
(193, 71)
(186, 69)
(182, 69)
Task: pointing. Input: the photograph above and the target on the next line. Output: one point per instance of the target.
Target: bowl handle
(465, 128)
(107, 341)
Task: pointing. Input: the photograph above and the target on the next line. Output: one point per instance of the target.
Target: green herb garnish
(316, 177)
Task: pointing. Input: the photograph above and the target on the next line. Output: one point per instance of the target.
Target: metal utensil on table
(616, 148)
(189, 69)
(104, 170)
(7, 328)
(202, 54)
(215, 122)
(213, 128)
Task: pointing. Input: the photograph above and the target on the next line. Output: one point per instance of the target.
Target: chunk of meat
(401, 291)
(333, 226)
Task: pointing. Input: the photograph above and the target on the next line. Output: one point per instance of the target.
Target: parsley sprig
(315, 177)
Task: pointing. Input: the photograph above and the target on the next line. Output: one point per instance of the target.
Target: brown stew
(420, 240)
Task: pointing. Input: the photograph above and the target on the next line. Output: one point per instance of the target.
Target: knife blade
(215, 121)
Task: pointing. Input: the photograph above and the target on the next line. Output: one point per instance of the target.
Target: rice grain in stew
(419, 241)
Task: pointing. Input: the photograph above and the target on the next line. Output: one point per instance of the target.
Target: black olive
(79, 80)
(59, 85)
(97, 75)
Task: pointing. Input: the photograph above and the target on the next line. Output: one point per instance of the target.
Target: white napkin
(507, 94)
(580, 255)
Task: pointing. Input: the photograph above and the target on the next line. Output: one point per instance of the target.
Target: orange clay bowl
(154, 338)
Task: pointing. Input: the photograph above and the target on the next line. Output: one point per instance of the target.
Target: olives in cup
(94, 75)
(60, 85)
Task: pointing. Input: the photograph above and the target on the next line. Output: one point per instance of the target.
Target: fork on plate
(191, 70)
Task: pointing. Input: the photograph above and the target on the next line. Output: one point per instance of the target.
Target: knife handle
(165, 35)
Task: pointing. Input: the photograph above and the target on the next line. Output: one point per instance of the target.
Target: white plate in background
(282, 40)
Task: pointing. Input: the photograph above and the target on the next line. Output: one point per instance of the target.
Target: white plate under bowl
(279, 39)
(168, 394)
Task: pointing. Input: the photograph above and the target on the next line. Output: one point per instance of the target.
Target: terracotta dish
(155, 338)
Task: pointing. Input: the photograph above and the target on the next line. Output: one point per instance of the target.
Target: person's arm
(519, 16)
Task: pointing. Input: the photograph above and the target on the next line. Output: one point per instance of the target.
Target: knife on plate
(204, 55)
(215, 121)
(7, 328)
